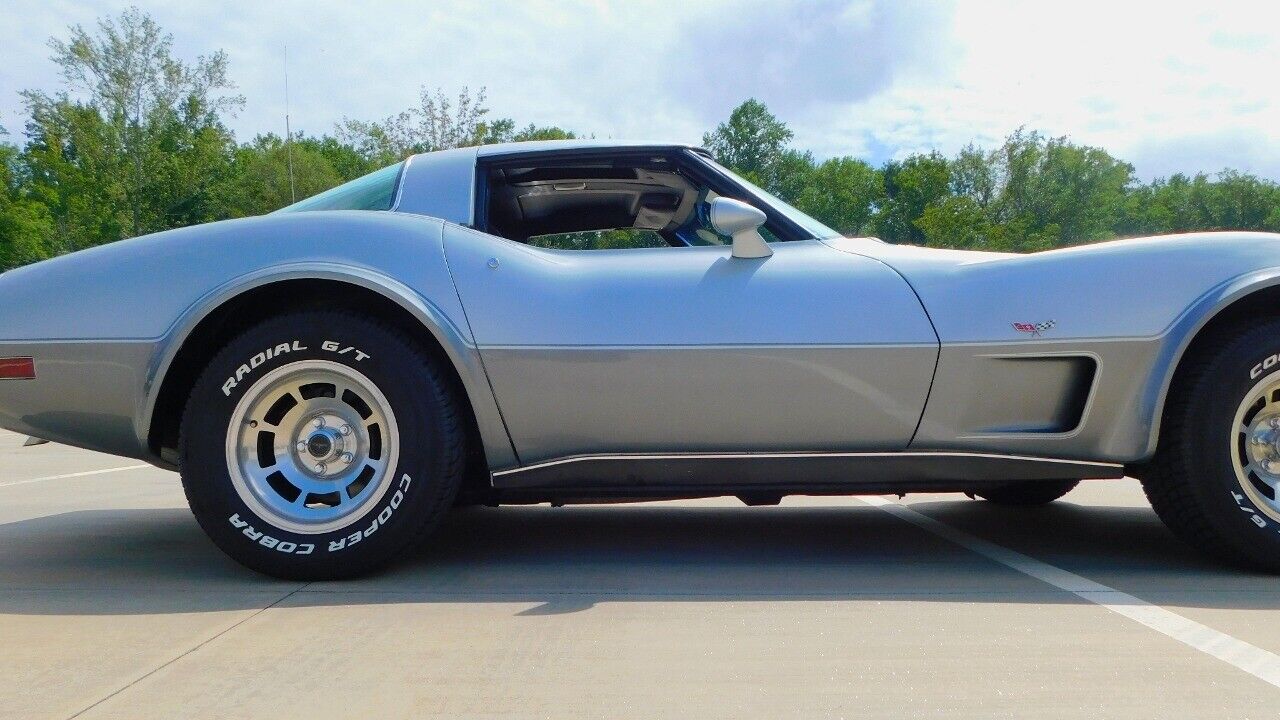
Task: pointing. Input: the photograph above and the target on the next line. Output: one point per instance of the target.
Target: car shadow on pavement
(559, 560)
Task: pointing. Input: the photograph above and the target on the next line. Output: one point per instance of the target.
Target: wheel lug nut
(321, 467)
(347, 457)
(302, 446)
(319, 422)
(345, 429)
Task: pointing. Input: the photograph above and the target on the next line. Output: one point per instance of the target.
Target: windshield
(375, 191)
(811, 226)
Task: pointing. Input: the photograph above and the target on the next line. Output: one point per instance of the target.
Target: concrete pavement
(114, 605)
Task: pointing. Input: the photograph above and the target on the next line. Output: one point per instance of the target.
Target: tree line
(135, 140)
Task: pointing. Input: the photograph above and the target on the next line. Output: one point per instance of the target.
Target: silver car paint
(1134, 304)
(105, 323)
(691, 349)
(87, 393)
(440, 185)
(102, 347)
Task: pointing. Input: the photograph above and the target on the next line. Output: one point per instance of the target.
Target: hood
(1122, 288)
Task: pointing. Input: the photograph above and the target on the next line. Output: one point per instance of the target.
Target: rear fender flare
(455, 341)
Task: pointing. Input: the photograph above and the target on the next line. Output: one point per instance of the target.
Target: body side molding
(804, 471)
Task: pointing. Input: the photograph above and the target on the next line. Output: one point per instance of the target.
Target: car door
(687, 349)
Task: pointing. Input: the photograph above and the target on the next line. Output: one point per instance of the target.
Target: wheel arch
(1219, 310)
(225, 312)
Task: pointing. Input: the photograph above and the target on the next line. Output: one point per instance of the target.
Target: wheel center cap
(1264, 444)
(328, 446)
(320, 445)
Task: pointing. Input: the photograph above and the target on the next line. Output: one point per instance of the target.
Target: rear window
(375, 191)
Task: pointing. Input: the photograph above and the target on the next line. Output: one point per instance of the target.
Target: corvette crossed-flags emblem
(1034, 328)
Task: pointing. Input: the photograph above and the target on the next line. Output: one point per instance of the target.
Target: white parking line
(73, 475)
(1262, 664)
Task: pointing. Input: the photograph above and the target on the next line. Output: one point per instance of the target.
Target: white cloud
(811, 55)
(1134, 78)
(1170, 87)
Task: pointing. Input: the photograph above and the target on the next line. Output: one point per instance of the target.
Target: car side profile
(584, 321)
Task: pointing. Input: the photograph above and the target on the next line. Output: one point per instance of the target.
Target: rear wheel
(319, 445)
(1215, 480)
(1028, 493)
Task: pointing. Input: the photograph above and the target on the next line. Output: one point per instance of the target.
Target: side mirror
(741, 222)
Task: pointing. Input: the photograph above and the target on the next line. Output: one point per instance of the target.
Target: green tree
(347, 162)
(788, 176)
(752, 142)
(842, 193)
(378, 143)
(26, 228)
(958, 222)
(1031, 193)
(504, 130)
(261, 181)
(437, 123)
(911, 186)
(1228, 201)
(1050, 192)
(543, 132)
(1235, 201)
(134, 141)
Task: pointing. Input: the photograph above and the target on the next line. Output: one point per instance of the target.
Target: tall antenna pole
(288, 133)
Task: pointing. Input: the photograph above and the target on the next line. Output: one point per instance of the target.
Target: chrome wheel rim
(1255, 445)
(312, 446)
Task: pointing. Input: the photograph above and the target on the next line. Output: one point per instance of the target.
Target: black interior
(648, 193)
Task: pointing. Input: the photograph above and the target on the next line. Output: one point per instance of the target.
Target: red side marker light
(17, 368)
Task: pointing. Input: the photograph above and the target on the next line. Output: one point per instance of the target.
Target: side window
(600, 240)
(607, 202)
(618, 200)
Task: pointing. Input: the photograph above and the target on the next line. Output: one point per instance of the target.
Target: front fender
(1183, 331)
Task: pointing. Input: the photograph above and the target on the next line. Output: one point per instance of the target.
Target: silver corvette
(593, 321)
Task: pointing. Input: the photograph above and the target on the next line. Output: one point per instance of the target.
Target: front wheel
(318, 445)
(1216, 473)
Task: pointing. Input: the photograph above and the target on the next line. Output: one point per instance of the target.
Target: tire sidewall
(368, 539)
(1229, 378)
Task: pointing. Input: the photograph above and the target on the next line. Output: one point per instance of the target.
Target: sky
(1168, 86)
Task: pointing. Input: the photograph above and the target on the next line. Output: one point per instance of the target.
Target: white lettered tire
(1216, 474)
(319, 445)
